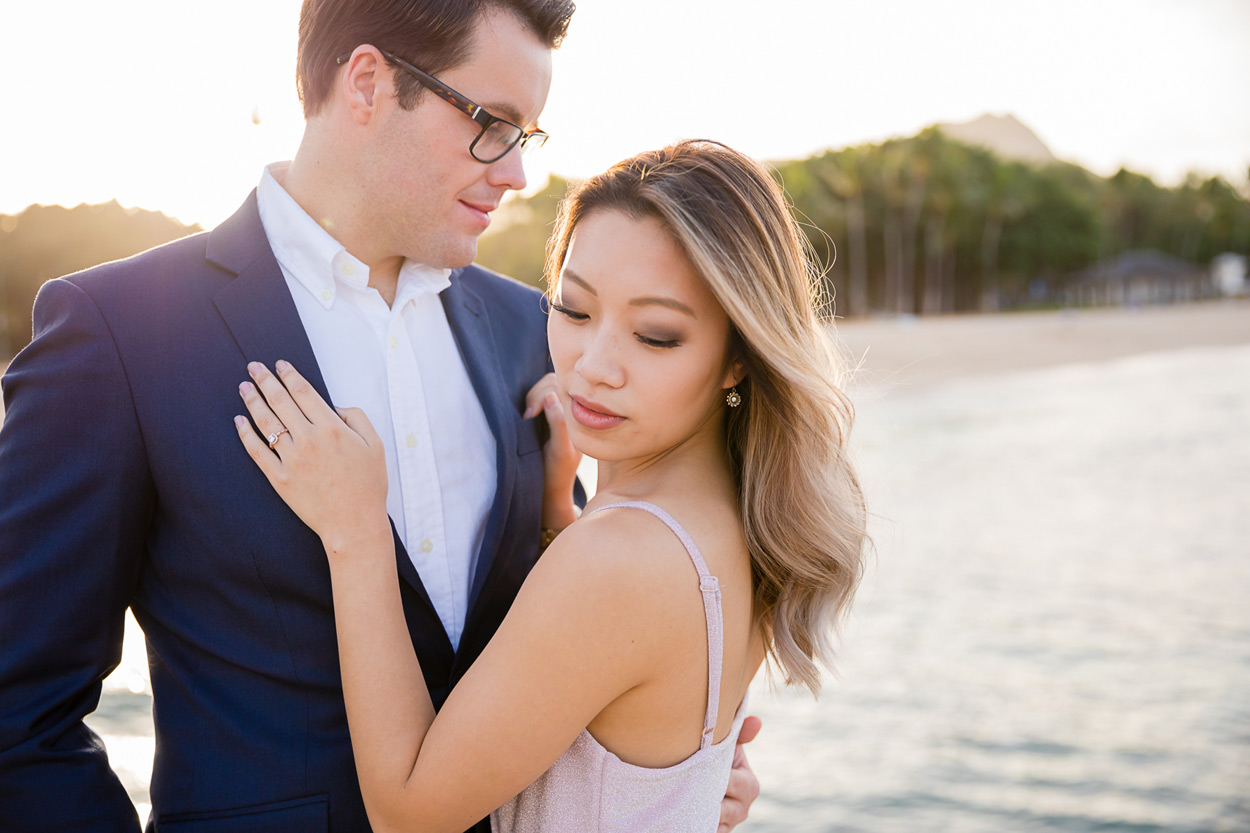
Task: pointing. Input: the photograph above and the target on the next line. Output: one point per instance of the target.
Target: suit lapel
(257, 305)
(470, 326)
(258, 308)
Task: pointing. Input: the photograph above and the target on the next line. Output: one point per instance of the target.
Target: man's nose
(508, 171)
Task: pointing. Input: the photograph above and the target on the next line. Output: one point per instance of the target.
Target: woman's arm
(581, 632)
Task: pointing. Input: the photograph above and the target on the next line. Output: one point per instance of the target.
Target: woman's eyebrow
(646, 300)
(572, 276)
(671, 303)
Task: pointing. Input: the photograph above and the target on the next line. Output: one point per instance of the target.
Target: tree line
(918, 225)
(49, 241)
(928, 224)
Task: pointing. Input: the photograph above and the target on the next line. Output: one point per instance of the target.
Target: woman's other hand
(560, 458)
(329, 467)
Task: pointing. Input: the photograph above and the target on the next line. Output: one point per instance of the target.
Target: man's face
(431, 198)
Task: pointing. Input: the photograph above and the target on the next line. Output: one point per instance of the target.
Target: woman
(728, 523)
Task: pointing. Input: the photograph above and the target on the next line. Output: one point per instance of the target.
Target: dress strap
(710, 588)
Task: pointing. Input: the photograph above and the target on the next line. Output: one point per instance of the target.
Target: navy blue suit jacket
(123, 484)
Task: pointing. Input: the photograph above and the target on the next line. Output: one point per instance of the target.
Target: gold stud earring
(734, 399)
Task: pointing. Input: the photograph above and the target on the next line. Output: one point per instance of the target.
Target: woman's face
(640, 344)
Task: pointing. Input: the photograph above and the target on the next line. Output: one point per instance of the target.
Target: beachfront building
(1140, 277)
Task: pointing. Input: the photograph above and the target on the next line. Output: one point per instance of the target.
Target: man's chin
(453, 257)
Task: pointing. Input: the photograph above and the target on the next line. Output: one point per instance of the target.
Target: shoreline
(908, 353)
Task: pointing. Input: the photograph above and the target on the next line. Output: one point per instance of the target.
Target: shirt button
(412, 440)
(349, 268)
(427, 545)
(394, 341)
(326, 294)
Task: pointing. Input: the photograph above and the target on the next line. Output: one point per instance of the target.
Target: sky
(174, 106)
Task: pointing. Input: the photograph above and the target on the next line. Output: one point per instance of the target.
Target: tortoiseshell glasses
(495, 138)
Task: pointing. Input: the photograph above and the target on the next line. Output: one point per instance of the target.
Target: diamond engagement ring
(273, 438)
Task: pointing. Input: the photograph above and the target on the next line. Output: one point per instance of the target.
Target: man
(122, 483)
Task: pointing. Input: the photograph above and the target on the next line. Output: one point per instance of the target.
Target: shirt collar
(316, 260)
(416, 279)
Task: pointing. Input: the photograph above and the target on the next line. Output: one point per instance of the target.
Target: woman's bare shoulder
(623, 553)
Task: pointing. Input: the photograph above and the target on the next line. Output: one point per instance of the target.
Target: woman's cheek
(560, 342)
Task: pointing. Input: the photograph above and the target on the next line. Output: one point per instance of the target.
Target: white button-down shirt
(400, 365)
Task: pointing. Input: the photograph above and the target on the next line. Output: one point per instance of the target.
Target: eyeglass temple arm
(455, 99)
(443, 91)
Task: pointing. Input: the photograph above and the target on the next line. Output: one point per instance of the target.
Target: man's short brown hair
(431, 34)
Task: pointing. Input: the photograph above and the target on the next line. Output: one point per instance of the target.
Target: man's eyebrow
(502, 110)
(646, 300)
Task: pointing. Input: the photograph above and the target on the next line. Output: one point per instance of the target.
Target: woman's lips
(593, 415)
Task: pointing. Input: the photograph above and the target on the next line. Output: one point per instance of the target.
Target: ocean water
(1053, 635)
(1055, 632)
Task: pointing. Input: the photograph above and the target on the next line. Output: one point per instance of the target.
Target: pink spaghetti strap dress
(590, 790)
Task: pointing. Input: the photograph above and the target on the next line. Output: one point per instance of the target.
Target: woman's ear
(735, 374)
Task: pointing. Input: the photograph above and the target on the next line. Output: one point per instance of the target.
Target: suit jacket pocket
(297, 815)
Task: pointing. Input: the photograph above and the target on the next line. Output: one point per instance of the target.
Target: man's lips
(593, 415)
(480, 210)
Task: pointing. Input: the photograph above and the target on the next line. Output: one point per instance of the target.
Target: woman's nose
(599, 363)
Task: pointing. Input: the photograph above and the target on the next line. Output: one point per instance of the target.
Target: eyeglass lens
(500, 137)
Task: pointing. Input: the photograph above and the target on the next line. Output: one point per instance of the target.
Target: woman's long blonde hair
(801, 503)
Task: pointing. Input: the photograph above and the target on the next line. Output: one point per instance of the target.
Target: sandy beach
(897, 354)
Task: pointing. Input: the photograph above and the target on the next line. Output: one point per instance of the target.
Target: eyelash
(581, 316)
(563, 310)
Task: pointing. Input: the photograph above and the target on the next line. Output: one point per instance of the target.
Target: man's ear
(365, 80)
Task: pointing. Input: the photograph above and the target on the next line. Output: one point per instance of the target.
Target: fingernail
(254, 367)
(529, 412)
(283, 365)
(239, 422)
(245, 388)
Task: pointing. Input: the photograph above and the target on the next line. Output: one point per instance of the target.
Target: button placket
(418, 473)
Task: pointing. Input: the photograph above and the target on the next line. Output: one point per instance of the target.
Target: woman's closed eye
(658, 342)
(662, 342)
(569, 313)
